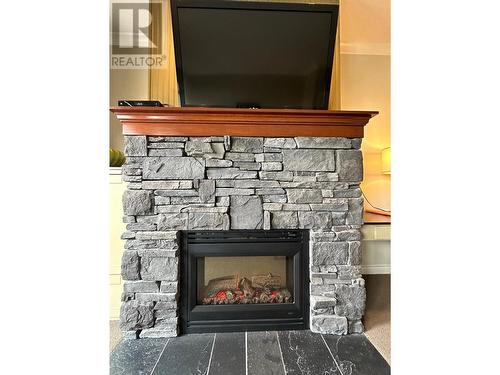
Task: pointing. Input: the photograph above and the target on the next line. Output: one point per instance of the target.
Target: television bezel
(333, 9)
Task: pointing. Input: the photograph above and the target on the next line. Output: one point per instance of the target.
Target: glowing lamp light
(386, 160)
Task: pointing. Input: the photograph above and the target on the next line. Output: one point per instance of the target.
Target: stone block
(304, 196)
(198, 148)
(130, 265)
(272, 150)
(176, 193)
(273, 198)
(166, 145)
(157, 235)
(272, 206)
(348, 272)
(173, 208)
(167, 185)
(268, 157)
(156, 333)
(350, 301)
(173, 168)
(208, 221)
(329, 253)
(166, 305)
(246, 184)
(134, 186)
(309, 160)
(267, 220)
(350, 193)
(356, 326)
(173, 221)
(159, 253)
(349, 165)
(168, 287)
(206, 190)
(355, 213)
(314, 185)
(304, 178)
(159, 268)
(217, 163)
(165, 314)
(315, 220)
(349, 235)
(356, 143)
(127, 235)
(338, 218)
(140, 286)
(165, 152)
(354, 253)
(247, 144)
(272, 166)
(156, 297)
(184, 200)
(128, 219)
(323, 142)
(247, 165)
(205, 209)
(240, 156)
(137, 202)
(270, 191)
(222, 201)
(131, 170)
(335, 205)
(327, 176)
(167, 139)
(279, 176)
(327, 193)
(226, 183)
(135, 315)
(135, 145)
(230, 173)
(147, 219)
(150, 244)
(329, 324)
(246, 212)
(280, 143)
(131, 178)
(141, 226)
(221, 192)
(295, 207)
(284, 220)
(322, 302)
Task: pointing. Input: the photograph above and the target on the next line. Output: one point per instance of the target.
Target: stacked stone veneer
(223, 183)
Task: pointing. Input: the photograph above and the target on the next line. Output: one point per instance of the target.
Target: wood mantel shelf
(191, 121)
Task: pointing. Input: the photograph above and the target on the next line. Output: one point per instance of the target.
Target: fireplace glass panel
(244, 280)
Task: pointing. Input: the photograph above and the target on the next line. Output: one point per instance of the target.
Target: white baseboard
(376, 269)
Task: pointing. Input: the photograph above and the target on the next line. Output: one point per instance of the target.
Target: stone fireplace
(181, 184)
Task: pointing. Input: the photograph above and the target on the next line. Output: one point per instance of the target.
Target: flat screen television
(254, 54)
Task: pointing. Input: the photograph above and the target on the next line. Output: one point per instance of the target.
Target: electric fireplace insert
(244, 280)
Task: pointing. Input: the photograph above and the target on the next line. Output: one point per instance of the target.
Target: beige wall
(365, 85)
(130, 84)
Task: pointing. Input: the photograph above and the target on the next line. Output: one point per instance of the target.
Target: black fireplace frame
(196, 318)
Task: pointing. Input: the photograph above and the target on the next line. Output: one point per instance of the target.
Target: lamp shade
(386, 160)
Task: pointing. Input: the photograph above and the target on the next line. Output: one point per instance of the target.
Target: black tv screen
(254, 54)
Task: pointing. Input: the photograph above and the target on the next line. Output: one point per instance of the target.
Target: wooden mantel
(190, 121)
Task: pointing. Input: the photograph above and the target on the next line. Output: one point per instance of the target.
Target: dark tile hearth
(251, 353)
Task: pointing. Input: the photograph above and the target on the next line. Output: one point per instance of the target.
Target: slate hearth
(249, 353)
(226, 183)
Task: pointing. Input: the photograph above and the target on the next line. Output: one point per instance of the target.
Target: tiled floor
(249, 353)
